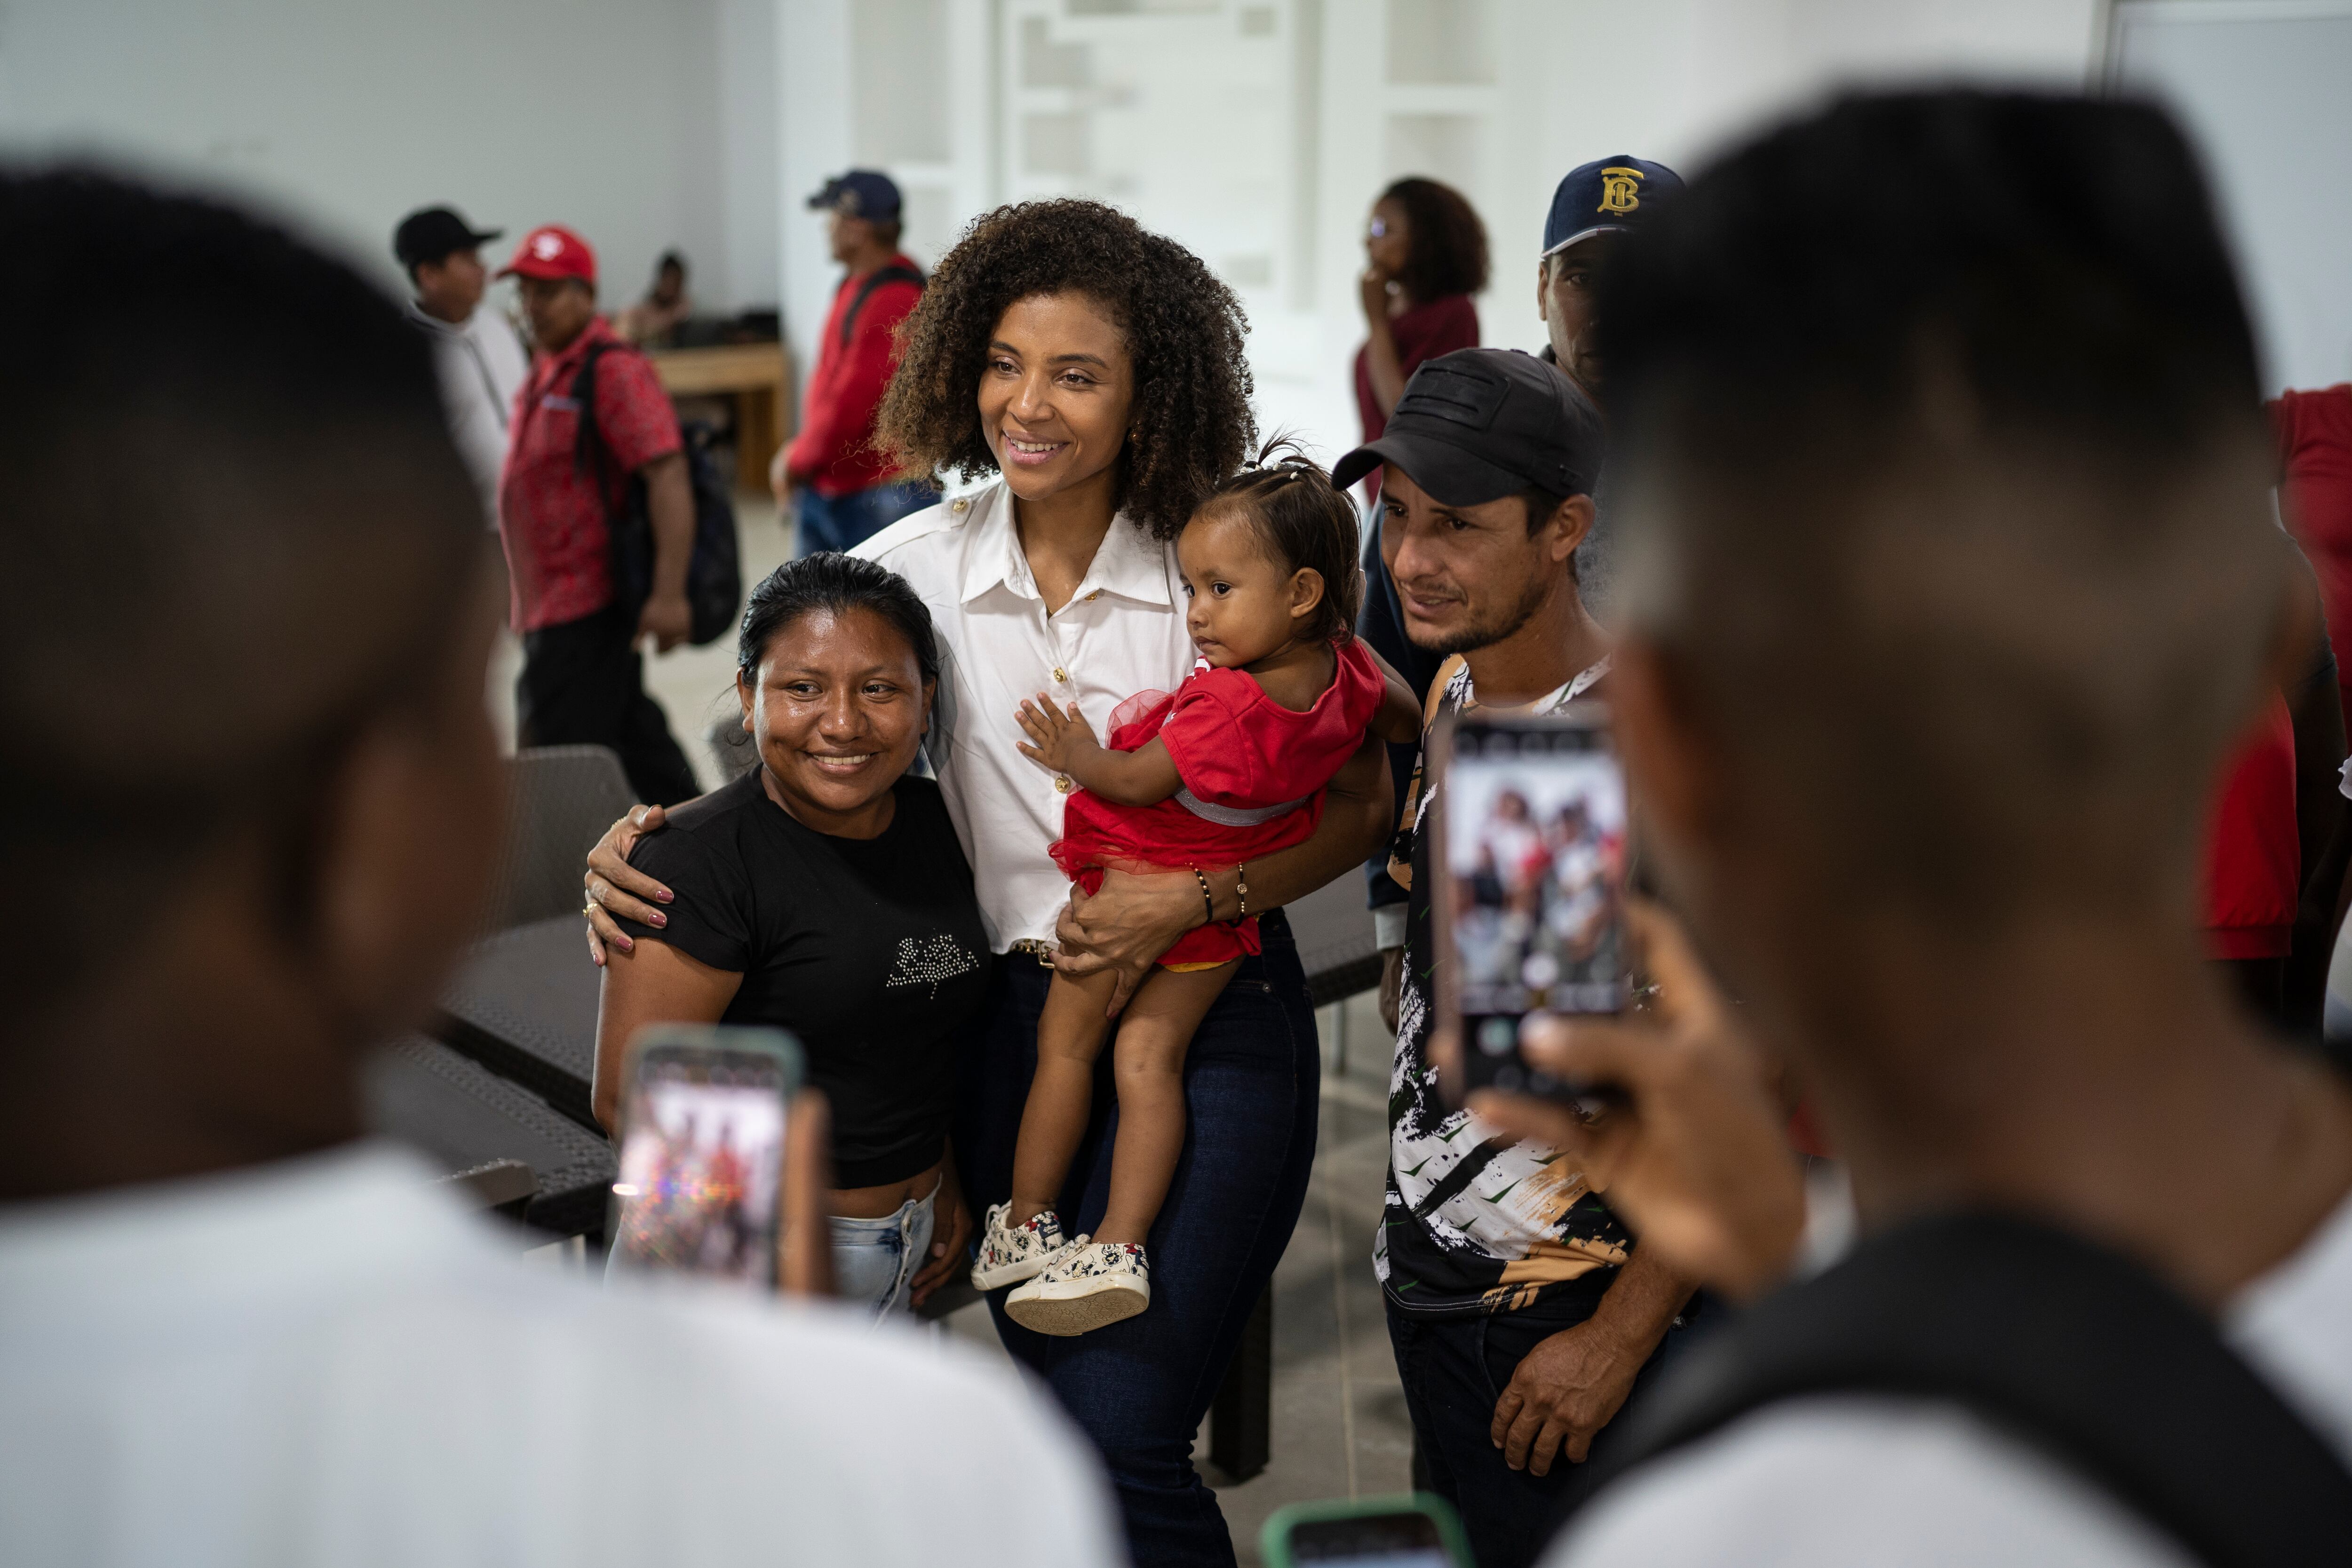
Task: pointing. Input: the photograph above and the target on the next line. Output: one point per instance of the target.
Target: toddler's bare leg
(1148, 1061)
(1070, 1029)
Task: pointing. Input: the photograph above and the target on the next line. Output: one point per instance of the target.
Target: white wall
(1258, 131)
(640, 125)
(2265, 86)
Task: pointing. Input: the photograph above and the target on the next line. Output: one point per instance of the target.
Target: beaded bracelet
(1208, 902)
(1241, 891)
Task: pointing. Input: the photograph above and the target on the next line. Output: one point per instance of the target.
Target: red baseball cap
(552, 250)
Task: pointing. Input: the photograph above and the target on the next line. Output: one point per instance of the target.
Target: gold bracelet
(1241, 890)
(1208, 900)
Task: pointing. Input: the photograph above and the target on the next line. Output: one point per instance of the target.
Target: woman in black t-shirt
(824, 892)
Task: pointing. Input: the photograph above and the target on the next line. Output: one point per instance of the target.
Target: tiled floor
(1340, 1426)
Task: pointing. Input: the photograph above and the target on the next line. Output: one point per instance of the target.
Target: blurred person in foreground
(481, 361)
(231, 1330)
(842, 488)
(653, 319)
(1951, 582)
(1593, 206)
(582, 681)
(1526, 1322)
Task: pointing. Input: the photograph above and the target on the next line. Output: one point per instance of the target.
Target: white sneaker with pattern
(1092, 1283)
(1012, 1253)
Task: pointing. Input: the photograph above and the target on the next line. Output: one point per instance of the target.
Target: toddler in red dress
(1229, 768)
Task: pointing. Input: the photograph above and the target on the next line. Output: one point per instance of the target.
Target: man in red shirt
(583, 680)
(838, 484)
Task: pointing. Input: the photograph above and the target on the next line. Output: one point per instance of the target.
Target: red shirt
(555, 522)
(835, 450)
(1421, 333)
(2253, 862)
(2315, 432)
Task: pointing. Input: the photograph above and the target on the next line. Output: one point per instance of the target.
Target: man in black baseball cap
(481, 360)
(1492, 1280)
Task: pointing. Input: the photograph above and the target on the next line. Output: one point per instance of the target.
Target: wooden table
(755, 376)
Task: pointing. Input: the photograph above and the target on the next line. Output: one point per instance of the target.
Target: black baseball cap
(432, 233)
(1596, 197)
(1477, 425)
(861, 193)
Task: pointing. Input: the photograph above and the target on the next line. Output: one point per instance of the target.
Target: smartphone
(1528, 902)
(1416, 1531)
(700, 1184)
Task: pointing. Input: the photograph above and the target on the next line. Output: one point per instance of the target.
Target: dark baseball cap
(861, 193)
(1477, 425)
(1596, 198)
(430, 234)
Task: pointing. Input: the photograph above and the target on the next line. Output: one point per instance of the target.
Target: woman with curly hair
(1426, 255)
(1094, 374)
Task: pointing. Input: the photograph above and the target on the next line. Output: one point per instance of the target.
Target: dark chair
(500, 1144)
(561, 801)
(524, 1005)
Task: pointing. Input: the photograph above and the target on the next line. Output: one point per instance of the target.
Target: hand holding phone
(701, 1185)
(1527, 901)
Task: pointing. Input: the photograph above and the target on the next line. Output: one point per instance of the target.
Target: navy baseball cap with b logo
(1597, 197)
(1477, 425)
(861, 193)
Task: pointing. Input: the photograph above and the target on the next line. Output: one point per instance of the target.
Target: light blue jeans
(874, 1259)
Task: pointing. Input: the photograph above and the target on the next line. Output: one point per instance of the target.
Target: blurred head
(241, 699)
(452, 286)
(669, 277)
(835, 667)
(1951, 568)
(558, 311)
(1428, 239)
(1062, 345)
(864, 209)
(1270, 560)
(557, 274)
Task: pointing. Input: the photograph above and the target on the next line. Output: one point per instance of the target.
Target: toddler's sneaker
(1009, 1253)
(1092, 1283)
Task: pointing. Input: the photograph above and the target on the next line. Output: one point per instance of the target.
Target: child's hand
(1060, 741)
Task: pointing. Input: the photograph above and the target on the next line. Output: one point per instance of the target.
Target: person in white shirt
(232, 1332)
(1953, 584)
(1099, 371)
(481, 360)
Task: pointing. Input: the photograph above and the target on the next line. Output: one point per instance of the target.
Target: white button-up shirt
(1122, 633)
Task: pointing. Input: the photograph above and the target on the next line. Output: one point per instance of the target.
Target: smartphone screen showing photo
(701, 1159)
(1535, 855)
(1375, 1541)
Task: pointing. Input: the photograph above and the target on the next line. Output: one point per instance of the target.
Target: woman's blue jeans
(874, 1260)
(1139, 1388)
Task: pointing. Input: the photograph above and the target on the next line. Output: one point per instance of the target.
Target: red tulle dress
(1253, 774)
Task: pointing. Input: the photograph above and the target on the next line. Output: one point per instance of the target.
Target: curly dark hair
(1191, 425)
(1446, 245)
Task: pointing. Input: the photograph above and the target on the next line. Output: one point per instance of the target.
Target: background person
(582, 681)
(654, 320)
(237, 1332)
(481, 361)
(843, 488)
(1099, 371)
(1979, 950)
(823, 892)
(1425, 255)
(1522, 1314)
